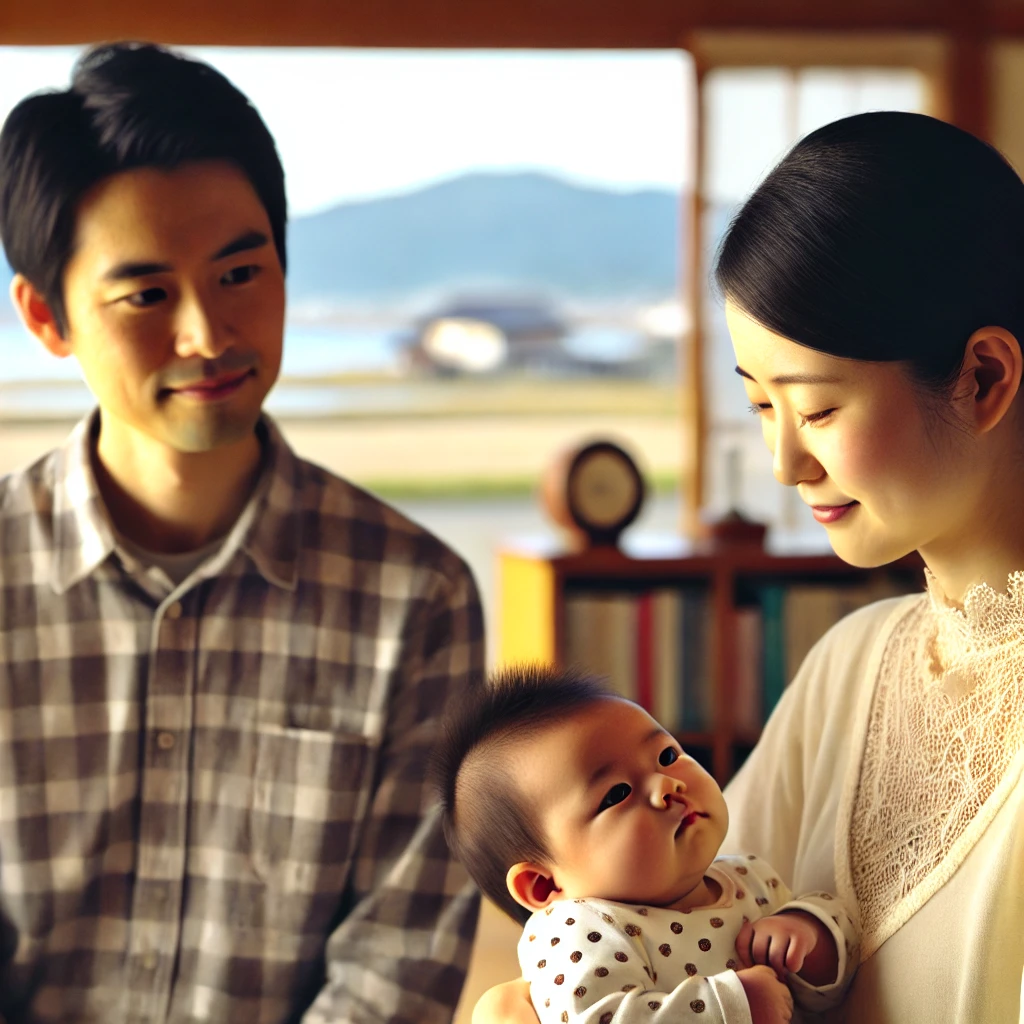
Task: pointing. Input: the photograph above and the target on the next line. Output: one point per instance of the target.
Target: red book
(645, 652)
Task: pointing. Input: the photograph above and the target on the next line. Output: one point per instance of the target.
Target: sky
(356, 123)
(352, 124)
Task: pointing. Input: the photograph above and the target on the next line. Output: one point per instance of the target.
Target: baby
(578, 815)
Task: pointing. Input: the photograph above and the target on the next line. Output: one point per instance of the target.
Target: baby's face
(627, 815)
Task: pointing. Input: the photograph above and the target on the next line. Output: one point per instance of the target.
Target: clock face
(602, 489)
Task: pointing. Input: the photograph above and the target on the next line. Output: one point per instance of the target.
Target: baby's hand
(782, 941)
(770, 1001)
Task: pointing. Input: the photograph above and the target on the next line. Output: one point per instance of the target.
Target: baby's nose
(666, 791)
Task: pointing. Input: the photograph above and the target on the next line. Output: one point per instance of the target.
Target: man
(221, 668)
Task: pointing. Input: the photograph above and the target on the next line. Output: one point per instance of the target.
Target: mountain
(522, 231)
(526, 230)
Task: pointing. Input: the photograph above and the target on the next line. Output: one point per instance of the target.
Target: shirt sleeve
(584, 970)
(830, 911)
(773, 896)
(401, 953)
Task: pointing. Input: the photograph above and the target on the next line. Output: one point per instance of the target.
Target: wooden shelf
(536, 578)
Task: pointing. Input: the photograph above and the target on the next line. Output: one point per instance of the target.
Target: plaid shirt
(212, 795)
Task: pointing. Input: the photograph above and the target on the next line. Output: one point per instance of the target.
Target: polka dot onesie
(593, 961)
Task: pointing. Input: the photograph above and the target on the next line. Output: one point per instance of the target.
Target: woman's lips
(832, 513)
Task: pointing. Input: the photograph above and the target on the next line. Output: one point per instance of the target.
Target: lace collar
(960, 647)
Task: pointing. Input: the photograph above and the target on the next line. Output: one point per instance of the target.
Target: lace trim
(946, 722)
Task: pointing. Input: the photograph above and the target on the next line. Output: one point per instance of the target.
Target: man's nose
(199, 332)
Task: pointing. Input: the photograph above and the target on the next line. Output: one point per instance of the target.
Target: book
(698, 685)
(773, 646)
(600, 638)
(747, 714)
(666, 613)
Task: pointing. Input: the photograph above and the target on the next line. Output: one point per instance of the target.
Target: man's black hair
(130, 105)
(486, 822)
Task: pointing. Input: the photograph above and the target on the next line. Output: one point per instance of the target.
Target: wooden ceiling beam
(528, 24)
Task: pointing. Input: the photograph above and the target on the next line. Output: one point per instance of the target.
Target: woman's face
(884, 476)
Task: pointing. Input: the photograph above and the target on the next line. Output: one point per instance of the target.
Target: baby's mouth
(688, 820)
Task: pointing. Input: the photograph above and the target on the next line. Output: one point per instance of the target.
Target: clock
(594, 491)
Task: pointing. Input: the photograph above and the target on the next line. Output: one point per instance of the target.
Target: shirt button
(174, 610)
(165, 740)
(150, 960)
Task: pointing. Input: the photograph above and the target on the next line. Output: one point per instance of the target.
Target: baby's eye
(668, 756)
(615, 795)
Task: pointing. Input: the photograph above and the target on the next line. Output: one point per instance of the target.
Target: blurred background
(488, 257)
(502, 219)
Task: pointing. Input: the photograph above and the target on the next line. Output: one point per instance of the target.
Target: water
(54, 387)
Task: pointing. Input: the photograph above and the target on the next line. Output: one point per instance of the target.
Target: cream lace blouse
(946, 721)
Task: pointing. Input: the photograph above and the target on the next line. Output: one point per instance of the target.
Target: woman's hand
(508, 1003)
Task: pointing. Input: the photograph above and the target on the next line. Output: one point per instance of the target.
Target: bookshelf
(725, 624)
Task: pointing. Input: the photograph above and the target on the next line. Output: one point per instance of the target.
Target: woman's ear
(37, 316)
(991, 375)
(531, 885)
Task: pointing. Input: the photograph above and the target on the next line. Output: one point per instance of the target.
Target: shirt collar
(268, 530)
(82, 535)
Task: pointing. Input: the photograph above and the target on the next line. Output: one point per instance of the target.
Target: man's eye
(147, 297)
(239, 275)
(615, 795)
(668, 756)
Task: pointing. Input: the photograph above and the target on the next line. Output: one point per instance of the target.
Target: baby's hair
(486, 822)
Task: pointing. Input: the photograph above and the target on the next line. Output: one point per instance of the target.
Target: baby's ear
(531, 885)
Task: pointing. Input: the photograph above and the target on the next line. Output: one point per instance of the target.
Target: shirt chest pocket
(309, 792)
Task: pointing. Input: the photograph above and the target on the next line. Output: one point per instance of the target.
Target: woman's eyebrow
(793, 378)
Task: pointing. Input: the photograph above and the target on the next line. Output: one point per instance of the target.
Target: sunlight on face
(627, 814)
(175, 303)
(853, 438)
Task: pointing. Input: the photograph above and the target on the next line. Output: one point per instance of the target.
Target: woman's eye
(760, 408)
(668, 756)
(147, 297)
(816, 417)
(239, 275)
(615, 795)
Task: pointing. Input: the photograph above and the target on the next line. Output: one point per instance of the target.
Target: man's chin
(211, 432)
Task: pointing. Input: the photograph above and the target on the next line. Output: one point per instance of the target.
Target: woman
(874, 289)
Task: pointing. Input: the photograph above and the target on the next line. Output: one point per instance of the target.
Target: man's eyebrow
(139, 268)
(608, 766)
(243, 243)
(793, 378)
(129, 269)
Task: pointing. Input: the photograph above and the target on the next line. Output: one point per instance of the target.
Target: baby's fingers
(744, 944)
(775, 954)
(796, 954)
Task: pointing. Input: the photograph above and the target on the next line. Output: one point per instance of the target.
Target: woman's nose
(792, 464)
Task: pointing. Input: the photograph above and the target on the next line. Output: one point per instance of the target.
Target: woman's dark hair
(130, 105)
(886, 236)
(489, 827)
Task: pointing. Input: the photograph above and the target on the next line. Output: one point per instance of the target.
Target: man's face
(626, 814)
(175, 304)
